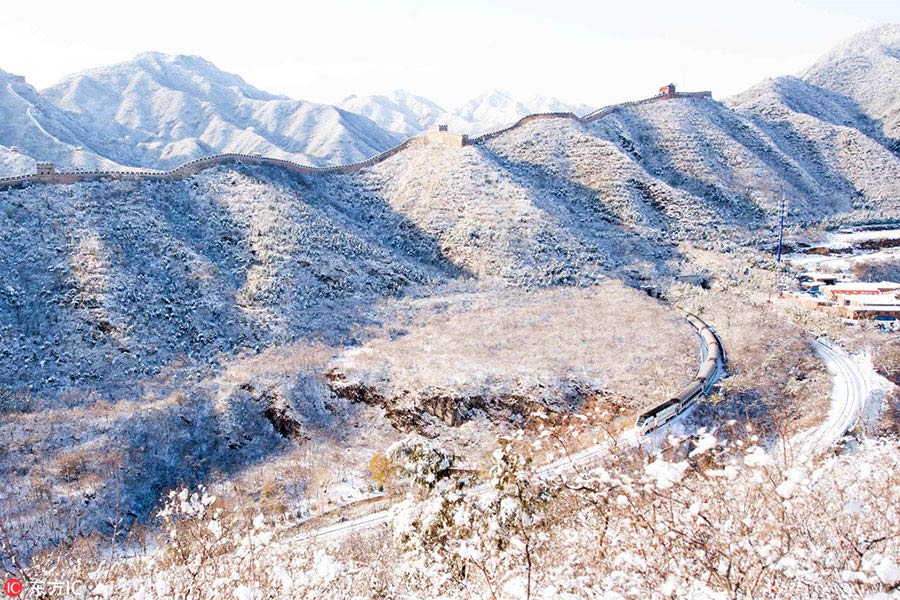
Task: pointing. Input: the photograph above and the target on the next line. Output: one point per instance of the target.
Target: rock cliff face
(416, 417)
(418, 411)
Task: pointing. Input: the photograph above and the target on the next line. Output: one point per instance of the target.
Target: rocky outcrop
(417, 411)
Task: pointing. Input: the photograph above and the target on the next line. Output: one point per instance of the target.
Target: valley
(260, 347)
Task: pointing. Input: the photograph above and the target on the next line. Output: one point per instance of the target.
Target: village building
(868, 306)
(850, 299)
(815, 279)
(806, 300)
(856, 288)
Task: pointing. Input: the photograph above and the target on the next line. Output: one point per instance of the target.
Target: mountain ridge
(861, 74)
(172, 108)
(31, 125)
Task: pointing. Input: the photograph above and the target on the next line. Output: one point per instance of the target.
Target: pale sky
(577, 50)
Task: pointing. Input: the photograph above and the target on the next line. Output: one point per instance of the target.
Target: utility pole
(781, 228)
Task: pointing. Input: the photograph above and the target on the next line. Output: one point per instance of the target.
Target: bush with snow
(721, 528)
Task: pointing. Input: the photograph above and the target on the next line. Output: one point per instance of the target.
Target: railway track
(849, 392)
(635, 437)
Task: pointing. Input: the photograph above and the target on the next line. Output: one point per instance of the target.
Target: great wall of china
(47, 175)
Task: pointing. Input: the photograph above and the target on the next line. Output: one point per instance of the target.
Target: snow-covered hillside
(508, 222)
(838, 121)
(823, 134)
(33, 129)
(159, 110)
(866, 69)
(108, 281)
(740, 162)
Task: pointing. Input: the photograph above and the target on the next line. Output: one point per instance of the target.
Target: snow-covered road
(850, 389)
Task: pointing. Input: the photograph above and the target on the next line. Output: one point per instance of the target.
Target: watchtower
(440, 134)
(45, 169)
(668, 91)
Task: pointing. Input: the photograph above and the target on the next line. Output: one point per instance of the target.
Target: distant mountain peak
(866, 70)
(173, 70)
(159, 110)
(874, 39)
(408, 114)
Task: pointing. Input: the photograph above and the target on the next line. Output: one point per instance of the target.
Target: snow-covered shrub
(728, 520)
(745, 525)
(420, 461)
(454, 534)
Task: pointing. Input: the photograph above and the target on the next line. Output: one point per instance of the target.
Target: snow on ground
(857, 397)
(854, 237)
(816, 262)
(878, 387)
(504, 350)
(848, 397)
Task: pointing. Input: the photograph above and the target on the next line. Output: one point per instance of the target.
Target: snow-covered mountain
(402, 112)
(496, 109)
(866, 69)
(32, 129)
(408, 114)
(158, 111)
(738, 163)
(853, 92)
(169, 109)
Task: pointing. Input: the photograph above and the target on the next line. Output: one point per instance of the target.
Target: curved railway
(849, 394)
(712, 366)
